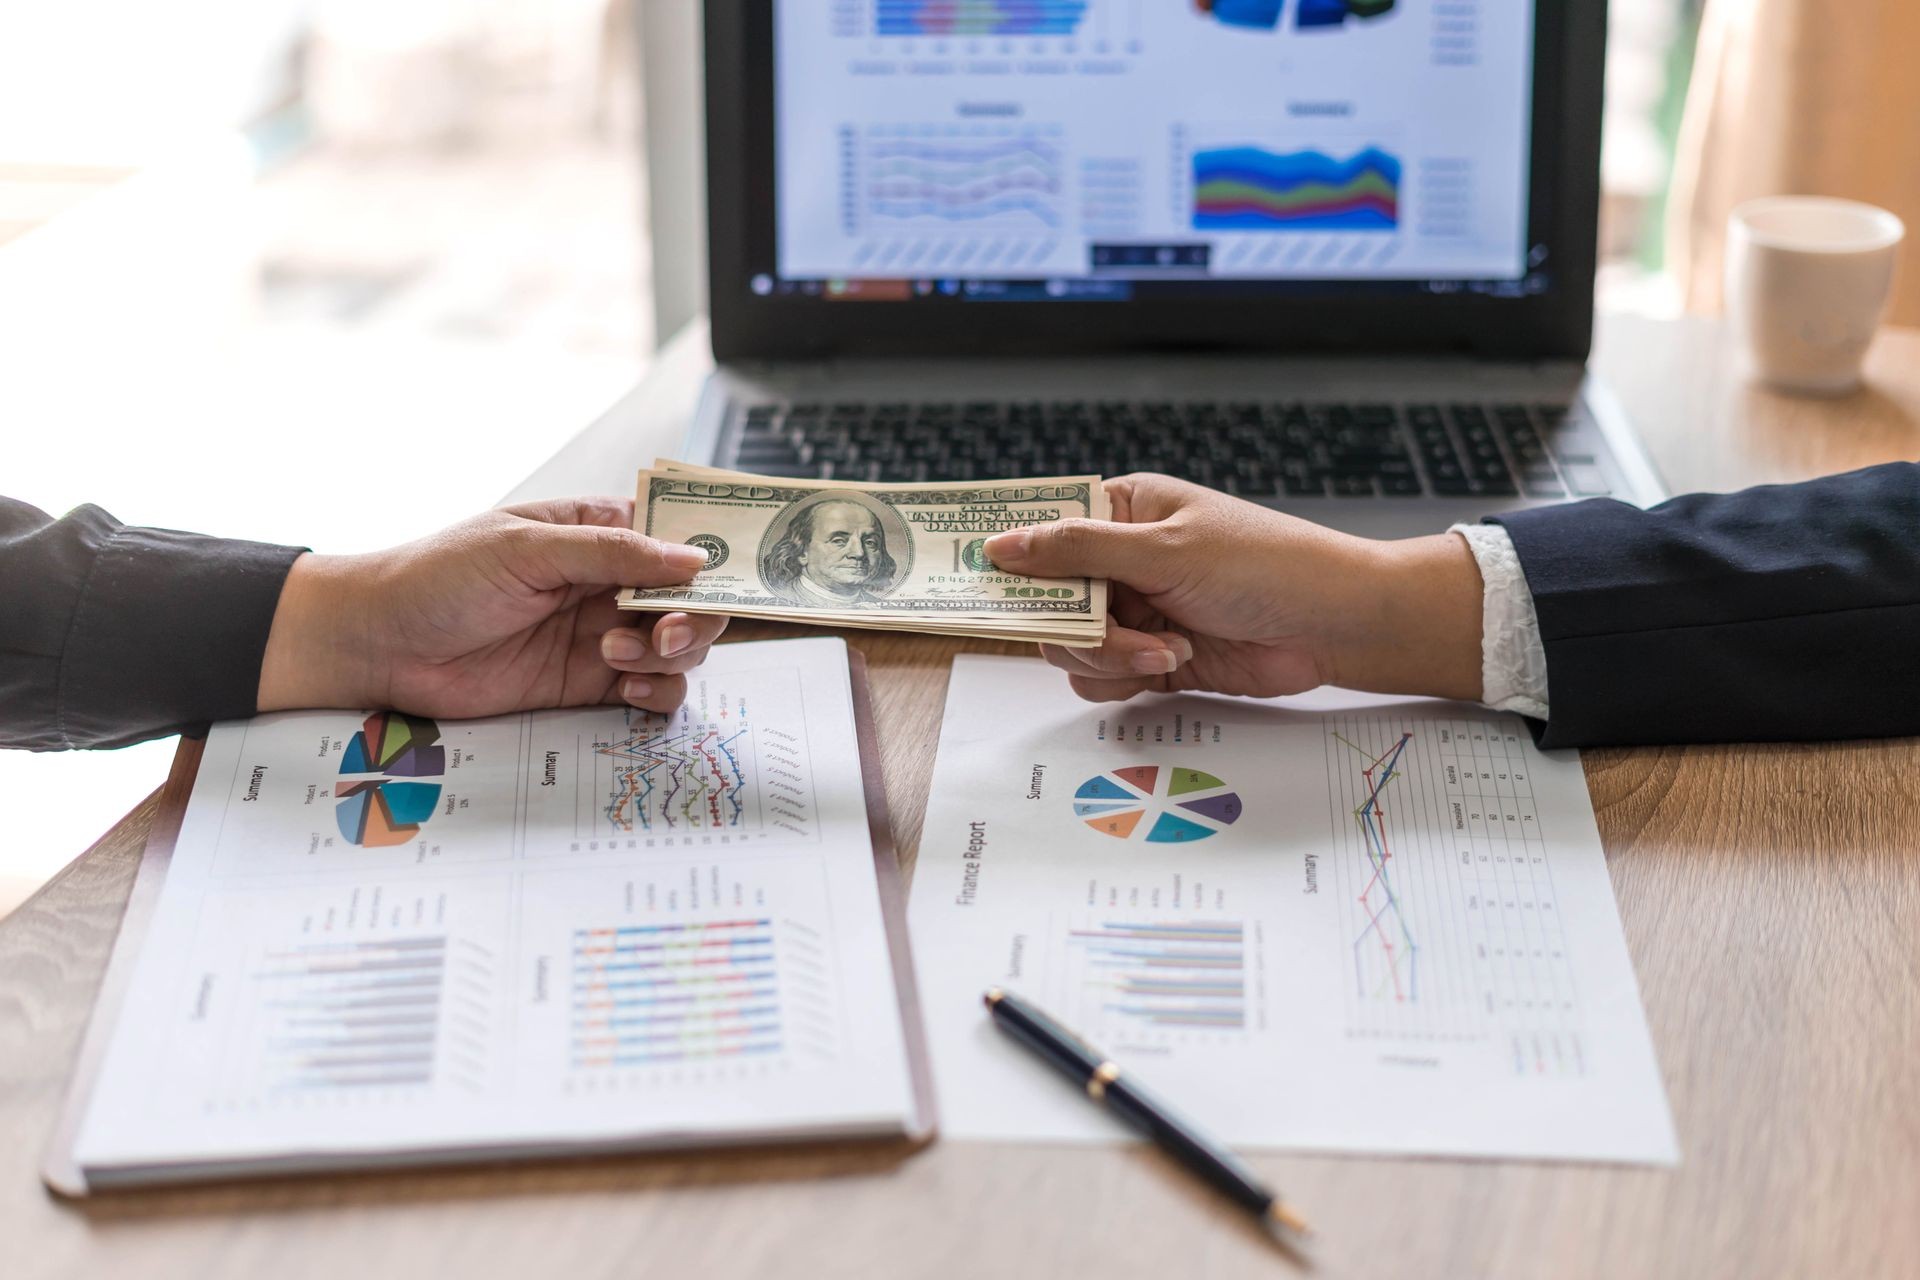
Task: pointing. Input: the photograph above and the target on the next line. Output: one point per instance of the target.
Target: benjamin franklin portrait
(835, 550)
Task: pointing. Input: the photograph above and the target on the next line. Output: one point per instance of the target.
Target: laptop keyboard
(1258, 450)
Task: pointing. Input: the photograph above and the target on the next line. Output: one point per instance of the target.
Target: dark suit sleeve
(1782, 612)
(111, 634)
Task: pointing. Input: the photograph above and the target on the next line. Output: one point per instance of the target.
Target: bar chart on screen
(1450, 915)
(986, 25)
(978, 17)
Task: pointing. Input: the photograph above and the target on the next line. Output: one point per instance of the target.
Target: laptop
(1335, 257)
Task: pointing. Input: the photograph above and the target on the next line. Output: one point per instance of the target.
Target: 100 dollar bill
(799, 547)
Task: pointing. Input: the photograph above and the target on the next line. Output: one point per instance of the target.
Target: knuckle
(1074, 536)
(622, 542)
(1184, 532)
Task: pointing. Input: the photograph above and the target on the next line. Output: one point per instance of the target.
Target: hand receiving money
(885, 557)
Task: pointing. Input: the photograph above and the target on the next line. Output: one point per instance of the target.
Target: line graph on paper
(1448, 922)
(1386, 959)
(710, 769)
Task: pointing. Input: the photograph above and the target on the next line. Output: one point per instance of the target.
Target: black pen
(1104, 1083)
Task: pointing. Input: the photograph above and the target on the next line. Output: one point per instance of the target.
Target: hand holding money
(889, 557)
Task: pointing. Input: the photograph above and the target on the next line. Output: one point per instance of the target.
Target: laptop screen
(1106, 150)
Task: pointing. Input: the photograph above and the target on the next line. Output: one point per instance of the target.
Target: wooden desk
(1772, 903)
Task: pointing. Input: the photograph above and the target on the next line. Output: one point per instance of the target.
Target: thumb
(1076, 549)
(611, 512)
(549, 556)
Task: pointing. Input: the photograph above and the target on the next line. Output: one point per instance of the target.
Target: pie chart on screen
(1159, 804)
(388, 784)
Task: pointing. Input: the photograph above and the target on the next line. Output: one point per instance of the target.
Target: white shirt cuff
(1513, 660)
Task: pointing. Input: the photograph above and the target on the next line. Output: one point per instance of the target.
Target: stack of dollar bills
(890, 557)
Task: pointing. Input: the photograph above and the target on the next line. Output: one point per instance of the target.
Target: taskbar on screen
(1109, 289)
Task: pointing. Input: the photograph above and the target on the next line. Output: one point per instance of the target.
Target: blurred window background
(1650, 49)
(329, 272)
(336, 272)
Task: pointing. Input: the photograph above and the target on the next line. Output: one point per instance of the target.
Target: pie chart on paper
(399, 761)
(1159, 804)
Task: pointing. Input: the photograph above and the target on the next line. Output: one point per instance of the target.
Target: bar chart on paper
(712, 971)
(659, 994)
(1450, 917)
(375, 995)
(1127, 978)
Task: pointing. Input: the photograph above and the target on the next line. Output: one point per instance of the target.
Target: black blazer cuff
(169, 632)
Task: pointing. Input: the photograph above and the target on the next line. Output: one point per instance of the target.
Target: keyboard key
(1540, 480)
(1265, 486)
(1587, 480)
(753, 454)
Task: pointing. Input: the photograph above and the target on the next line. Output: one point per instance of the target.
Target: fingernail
(1182, 649)
(1009, 546)
(635, 689)
(615, 647)
(674, 639)
(1155, 662)
(682, 558)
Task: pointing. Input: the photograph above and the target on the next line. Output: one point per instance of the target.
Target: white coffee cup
(1807, 284)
